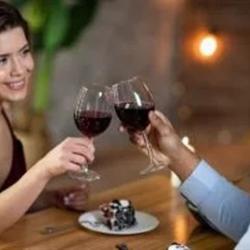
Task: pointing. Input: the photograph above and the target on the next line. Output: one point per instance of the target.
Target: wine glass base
(152, 169)
(89, 176)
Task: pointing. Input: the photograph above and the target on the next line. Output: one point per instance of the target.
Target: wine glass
(133, 101)
(92, 116)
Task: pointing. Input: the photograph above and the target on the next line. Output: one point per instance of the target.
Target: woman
(220, 203)
(18, 188)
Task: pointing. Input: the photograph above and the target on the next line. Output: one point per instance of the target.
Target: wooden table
(153, 194)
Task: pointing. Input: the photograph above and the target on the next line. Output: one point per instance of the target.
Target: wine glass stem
(84, 169)
(149, 149)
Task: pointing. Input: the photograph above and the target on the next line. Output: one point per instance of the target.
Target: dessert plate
(93, 221)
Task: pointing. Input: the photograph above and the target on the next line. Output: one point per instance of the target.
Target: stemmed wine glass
(92, 116)
(133, 101)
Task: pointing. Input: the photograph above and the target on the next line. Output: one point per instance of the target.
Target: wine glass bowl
(92, 123)
(132, 102)
(92, 116)
(133, 117)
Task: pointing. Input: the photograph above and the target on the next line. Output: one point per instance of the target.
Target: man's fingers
(163, 118)
(160, 122)
(157, 121)
(137, 139)
(122, 129)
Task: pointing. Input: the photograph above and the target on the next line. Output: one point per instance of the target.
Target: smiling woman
(19, 188)
(16, 64)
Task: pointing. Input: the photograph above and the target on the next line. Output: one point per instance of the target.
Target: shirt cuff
(200, 183)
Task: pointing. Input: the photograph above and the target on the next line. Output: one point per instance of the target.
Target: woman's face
(16, 65)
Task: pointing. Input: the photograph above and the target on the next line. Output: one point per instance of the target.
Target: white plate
(93, 221)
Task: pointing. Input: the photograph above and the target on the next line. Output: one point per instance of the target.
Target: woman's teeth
(16, 85)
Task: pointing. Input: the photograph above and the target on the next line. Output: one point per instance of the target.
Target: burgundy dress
(18, 164)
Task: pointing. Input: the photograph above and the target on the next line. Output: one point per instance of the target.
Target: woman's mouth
(16, 85)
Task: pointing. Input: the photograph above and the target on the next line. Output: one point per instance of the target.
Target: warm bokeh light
(180, 228)
(204, 46)
(208, 45)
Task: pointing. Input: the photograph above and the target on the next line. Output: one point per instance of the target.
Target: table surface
(153, 194)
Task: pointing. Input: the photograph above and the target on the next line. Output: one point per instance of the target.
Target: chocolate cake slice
(118, 214)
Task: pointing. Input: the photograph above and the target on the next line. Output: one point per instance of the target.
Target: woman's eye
(3, 60)
(26, 51)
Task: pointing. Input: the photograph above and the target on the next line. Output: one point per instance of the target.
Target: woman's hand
(72, 197)
(69, 155)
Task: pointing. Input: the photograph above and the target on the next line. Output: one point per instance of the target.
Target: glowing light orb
(208, 46)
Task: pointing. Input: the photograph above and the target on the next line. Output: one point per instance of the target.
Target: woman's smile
(16, 85)
(16, 65)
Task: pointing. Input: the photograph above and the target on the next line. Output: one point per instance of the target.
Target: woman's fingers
(79, 143)
(77, 199)
(78, 159)
(80, 140)
(73, 166)
(77, 152)
(82, 152)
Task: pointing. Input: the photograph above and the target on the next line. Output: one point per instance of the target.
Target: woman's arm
(16, 200)
(67, 156)
(74, 196)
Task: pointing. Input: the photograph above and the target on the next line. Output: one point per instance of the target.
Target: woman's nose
(17, 67)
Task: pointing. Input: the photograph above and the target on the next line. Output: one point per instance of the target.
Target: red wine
(132, 116)
(92, 123)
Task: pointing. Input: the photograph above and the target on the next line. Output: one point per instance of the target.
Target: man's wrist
(184, 163)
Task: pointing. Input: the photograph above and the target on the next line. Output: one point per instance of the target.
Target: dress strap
(8, 121)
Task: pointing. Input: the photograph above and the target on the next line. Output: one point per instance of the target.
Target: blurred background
(194, 55)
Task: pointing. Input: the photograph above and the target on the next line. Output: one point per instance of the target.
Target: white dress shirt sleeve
(244, 242)
(224, 205)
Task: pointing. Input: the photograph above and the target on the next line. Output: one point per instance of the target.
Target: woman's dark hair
(11, 18)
